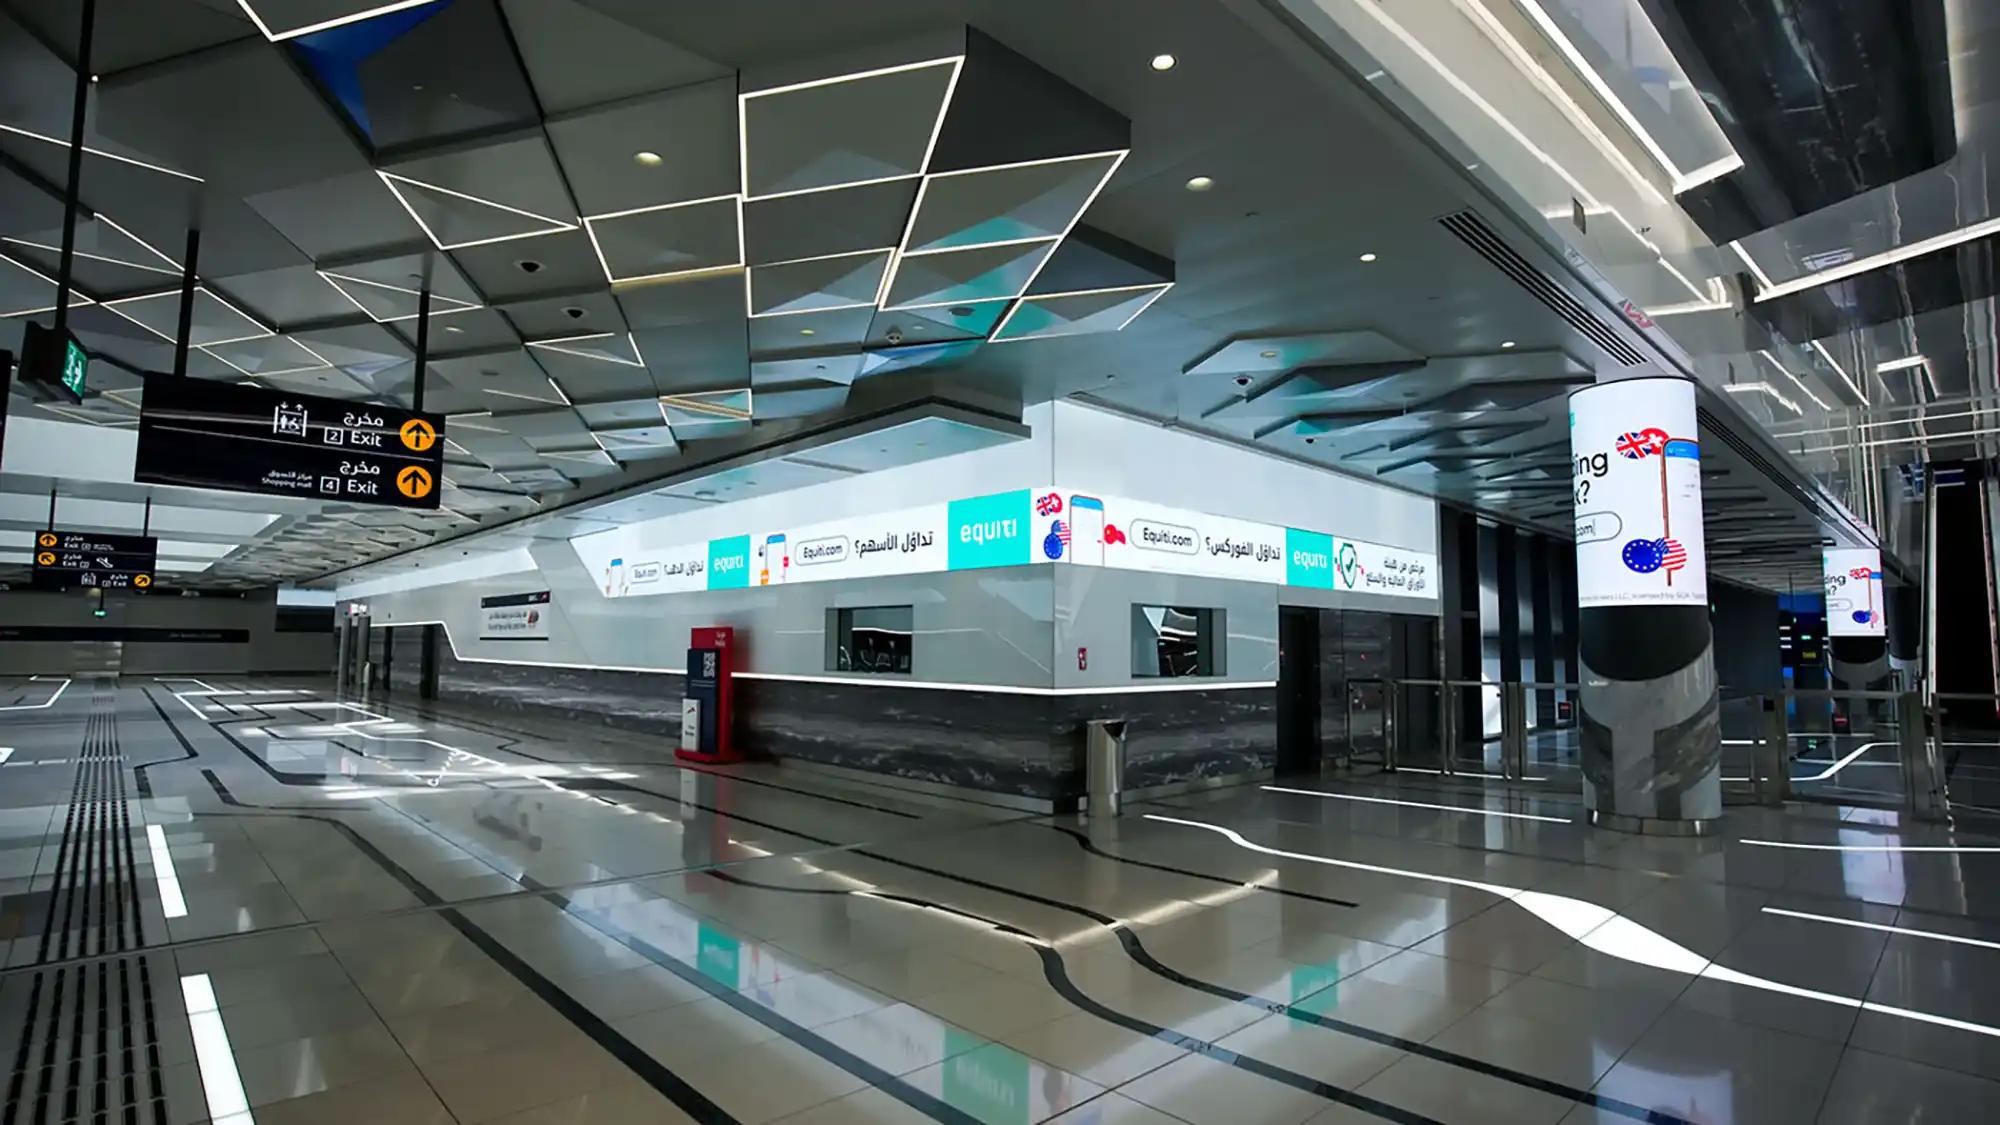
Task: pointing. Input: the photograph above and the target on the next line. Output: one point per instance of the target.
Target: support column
(1650, 728)
(427, 668)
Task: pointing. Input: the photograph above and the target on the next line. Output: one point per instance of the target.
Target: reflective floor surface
(240, 901)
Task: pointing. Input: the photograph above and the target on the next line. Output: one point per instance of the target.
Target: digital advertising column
(1649, 726)
(1857, 622)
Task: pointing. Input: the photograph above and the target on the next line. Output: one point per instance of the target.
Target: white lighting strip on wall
(1418, 805)
(1601, 929)
(171, 901)
(855, 681)
(221, 1085)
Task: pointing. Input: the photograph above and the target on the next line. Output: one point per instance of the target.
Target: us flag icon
(1673, 556)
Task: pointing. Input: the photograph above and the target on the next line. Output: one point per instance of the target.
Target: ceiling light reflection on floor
(220, 1082)
(1887, 929)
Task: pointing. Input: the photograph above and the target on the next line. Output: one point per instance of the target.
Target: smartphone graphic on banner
(777, 560)
(1086, 517)
(612, 576)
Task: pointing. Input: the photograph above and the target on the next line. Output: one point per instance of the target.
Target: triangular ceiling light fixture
(607, 347)
(453, 220)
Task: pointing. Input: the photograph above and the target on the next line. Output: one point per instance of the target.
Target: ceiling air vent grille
(1473, 231)
(1715, 428)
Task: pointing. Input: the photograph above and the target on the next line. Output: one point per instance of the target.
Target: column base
(1650, 826)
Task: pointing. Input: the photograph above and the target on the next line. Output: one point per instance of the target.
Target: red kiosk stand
(708, 709)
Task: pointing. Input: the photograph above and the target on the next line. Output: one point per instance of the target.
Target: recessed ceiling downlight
(1200, 183)
(1164, 61)
(646, 159)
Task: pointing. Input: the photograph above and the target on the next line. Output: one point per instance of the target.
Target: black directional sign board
(248, 439)
(91, 559)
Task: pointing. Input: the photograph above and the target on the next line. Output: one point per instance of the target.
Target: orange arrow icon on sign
(46, 539)
(418, 434)
(414, 482)
(46, 558)
(142, 580)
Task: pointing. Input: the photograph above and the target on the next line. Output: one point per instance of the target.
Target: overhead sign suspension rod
(78, 111)
(185, 337)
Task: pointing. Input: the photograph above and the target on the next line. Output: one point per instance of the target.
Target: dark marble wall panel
(1176, 736)
(645, 701)
(1021, 745)
(999, 742)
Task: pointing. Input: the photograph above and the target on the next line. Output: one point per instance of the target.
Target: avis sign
(1636, 475)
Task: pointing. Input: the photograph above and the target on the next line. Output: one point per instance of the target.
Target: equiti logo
(726, 563)
(982, 532)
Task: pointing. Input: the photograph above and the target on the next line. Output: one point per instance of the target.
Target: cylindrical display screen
(1637, 475)
(1854, 598)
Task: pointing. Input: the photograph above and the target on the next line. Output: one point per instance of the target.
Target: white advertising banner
(514, 617)
(1637, 479)
(1077, 527)
(1854, 601)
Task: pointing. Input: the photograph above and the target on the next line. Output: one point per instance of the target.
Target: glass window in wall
(872, 639)
(1176, 641)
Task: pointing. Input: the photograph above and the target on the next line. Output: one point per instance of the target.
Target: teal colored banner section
(729, 563)
(1309, 559)
(988, 531)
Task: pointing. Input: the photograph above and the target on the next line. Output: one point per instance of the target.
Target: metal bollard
(1770, 757)
(1447, 729)
(1513, 731)
(1104, 767)
(1923, 779)
(1391, 707)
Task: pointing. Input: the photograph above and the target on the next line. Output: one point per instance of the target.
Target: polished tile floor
(246, 900)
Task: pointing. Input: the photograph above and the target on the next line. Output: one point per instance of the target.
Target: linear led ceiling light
(175, 295)
(1807, 391)
(281, 34)
(391, 179)
(77, 299)
(324, 364)
(1159, 289)
(955, 62)
(1844, 376)
(590, 229)
(1682, 181)
(19, 132)
(1763, 389)
(881, 288)
(336, 279)
(1872, 262)
(557, 345)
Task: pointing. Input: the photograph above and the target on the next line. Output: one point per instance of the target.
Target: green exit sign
(52, 359)
(76, 362)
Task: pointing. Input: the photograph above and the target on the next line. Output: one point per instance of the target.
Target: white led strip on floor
(1887, 929)
(220, 1082)
(1949, 848)
(171, 899)
(1601, 929)
(39, 706)
(1419, 805)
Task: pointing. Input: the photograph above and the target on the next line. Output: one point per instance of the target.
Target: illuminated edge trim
(325, 25)
(1052, 243)
(93, 257)
(858, 681)
(1765, 389)
(172, 902)
(1115, 155)
(995, 336)
(389, 179)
